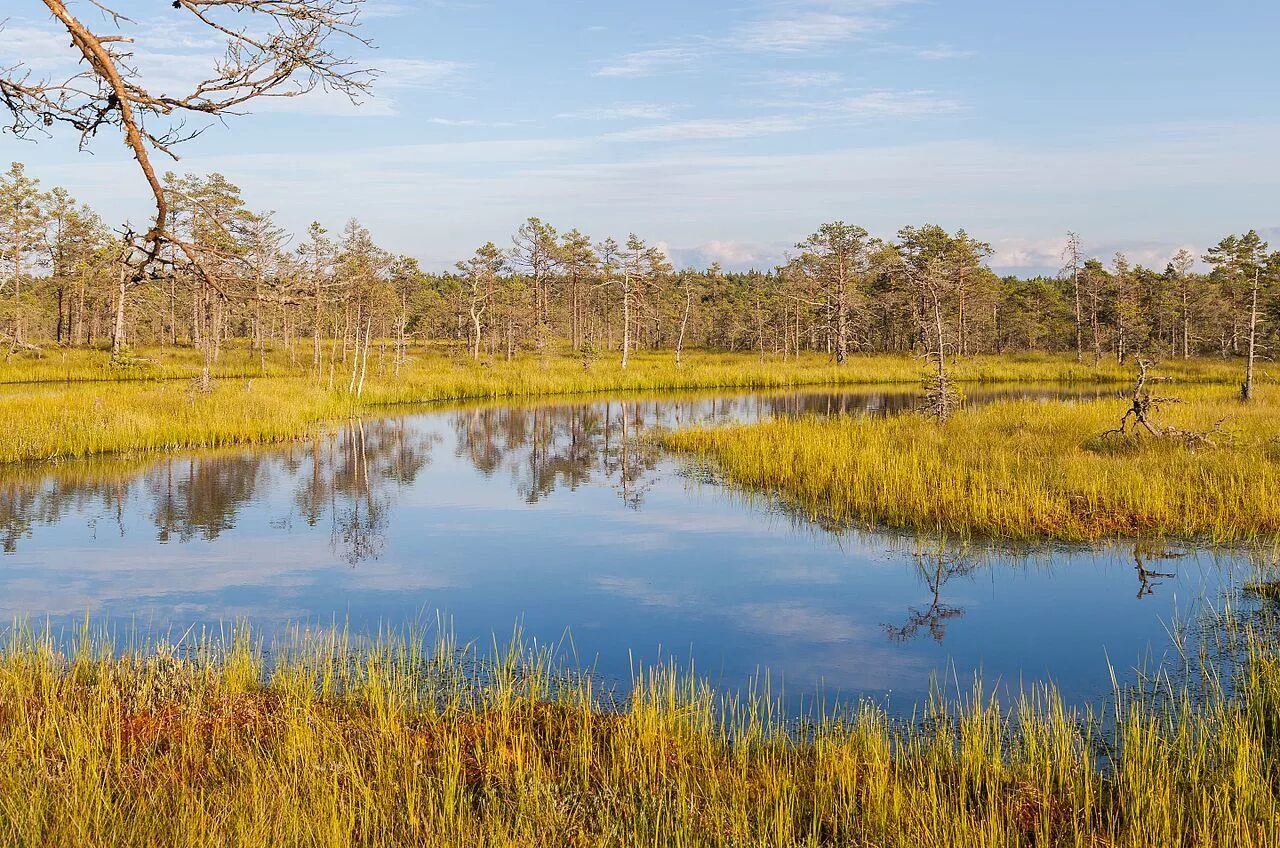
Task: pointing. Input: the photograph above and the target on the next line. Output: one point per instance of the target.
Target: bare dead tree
(274, 48)
(1144, 407)
(941, 399)
(1074, 256)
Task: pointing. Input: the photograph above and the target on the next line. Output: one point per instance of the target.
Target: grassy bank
(391, 745)
(1018, 470)
(62, 365)
(72, 403)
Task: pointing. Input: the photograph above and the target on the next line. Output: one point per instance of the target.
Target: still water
(555, 516)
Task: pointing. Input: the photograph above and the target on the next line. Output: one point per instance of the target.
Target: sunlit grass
(82, 420)
(1018, 470)
(396, 744)
(72, 403)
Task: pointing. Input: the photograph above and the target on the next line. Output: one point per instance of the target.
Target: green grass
(1017, 470)
(392, 744)
(72, 403)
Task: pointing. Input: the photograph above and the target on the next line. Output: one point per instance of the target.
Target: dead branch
(1144, 406)
(274, 48)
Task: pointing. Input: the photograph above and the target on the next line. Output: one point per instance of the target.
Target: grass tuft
(396, 742)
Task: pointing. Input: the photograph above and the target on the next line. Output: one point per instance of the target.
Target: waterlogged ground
(557, 516)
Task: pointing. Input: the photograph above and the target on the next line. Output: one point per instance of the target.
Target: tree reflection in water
(350, 477)
(1143, 554)
(935, 569)
(353, 478)
(547, 448)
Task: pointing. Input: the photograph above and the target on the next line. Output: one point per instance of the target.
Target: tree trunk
(1075, 278)
(626, 318)
(684, 323)
(1246, 391)
(1186, 328)
(364, 360)
(17, 278)
(355, 362)
(117, 336)
(842, 328)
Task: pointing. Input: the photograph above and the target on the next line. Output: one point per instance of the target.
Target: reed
(332, 741)
(1018, 470)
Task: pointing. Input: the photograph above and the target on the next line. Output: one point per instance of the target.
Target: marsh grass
(1016, 470)
(72, 403)
(329, 740)
(1267, 589)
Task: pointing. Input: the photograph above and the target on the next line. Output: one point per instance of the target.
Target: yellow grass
(394, 745)
(1018, 470)
(72, 403)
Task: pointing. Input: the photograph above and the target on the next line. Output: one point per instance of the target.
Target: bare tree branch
(274, 48)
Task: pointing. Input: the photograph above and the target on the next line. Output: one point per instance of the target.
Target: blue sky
(727, 131)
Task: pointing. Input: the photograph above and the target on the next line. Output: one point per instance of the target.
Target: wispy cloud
(418, 73)
(644, 63)
(800, 79)
(709, 129)
(889, 104)
(37, 47)
(375, 9)
(803, 32)
(473, 122)
(623, 112)
(939, 54)
(799, 115)
(789, 27)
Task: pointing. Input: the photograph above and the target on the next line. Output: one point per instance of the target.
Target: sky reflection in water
(554, 516)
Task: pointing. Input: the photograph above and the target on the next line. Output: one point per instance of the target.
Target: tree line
(329, 298)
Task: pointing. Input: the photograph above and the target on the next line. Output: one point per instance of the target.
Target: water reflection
(348, 478)
(544, 449)
(1146, 553)
(935, 570)
(562, 516)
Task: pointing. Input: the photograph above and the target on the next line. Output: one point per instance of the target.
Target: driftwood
(1144, 407)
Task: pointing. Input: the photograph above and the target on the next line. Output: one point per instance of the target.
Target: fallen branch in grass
(1144, 406)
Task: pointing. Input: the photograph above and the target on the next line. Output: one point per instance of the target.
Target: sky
(728, 131)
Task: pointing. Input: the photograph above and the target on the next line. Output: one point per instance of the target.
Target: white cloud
(1046, 254)
(643, 63)
(939, 54)
(375, 9)
(1027, 253)
(39, 48)
(801, 79)
(471, 122)
(623, 112)
(800, 33)
(794, 27)
(1187, 184)
(886, 103)
(417, 73)
(732, 255)
(709, 129)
